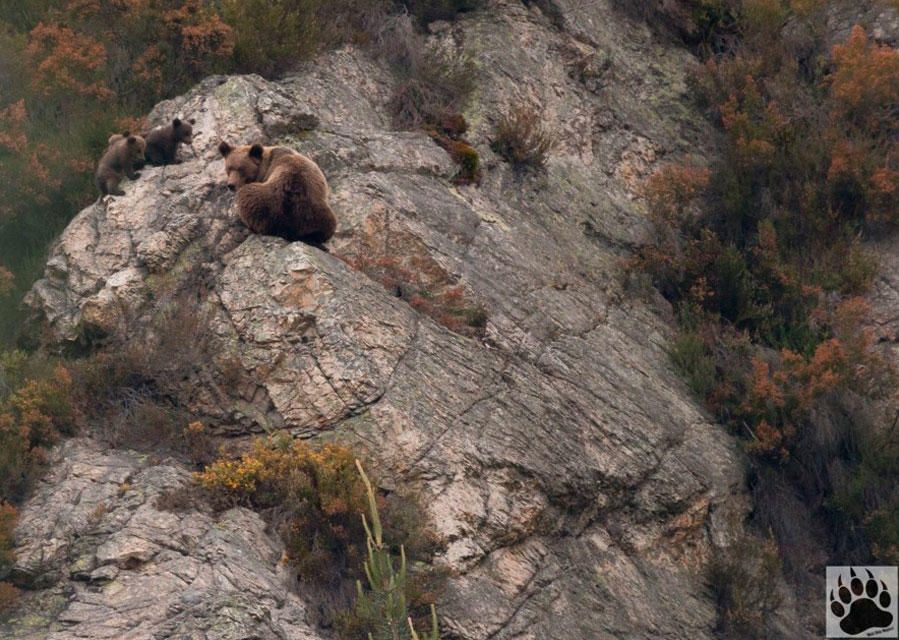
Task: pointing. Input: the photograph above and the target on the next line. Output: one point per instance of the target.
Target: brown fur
(162, 142)
(279, 192)
(122, 155)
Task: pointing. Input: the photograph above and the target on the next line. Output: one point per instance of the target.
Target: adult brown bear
(279, 192)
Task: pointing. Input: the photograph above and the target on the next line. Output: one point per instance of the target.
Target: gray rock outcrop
(578, 489)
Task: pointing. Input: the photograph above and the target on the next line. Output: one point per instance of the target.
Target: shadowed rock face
(578, 489)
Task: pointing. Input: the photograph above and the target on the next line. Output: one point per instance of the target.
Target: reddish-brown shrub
(765, 250)
(865, 83)
(9, 597)
(780, 398)
(671, 190)
(522, 139)
(428, 289)
(8, 593)
(6, 281)
(65, 62)
(12, 119)
(8, 517)
(31, 419)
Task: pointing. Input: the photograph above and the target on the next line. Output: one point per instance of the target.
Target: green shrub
(703, 23)
(466, 157)
(691, 357)
(382, 610)
(8, 517)
(135, 394)
(36, 410)
(870, 494)
(273, 36)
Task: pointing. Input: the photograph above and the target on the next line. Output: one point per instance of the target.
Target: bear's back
(117, 153)
(284, 161)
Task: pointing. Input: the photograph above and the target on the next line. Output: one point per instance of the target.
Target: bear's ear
(225, 148)
(176, 122)
(256, 151)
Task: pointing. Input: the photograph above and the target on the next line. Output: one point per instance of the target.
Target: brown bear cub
(279, 192)
(162, 142)
(122, 155)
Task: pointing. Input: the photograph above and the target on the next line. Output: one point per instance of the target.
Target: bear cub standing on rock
(162, 142)
(124, 152)
(279, 192)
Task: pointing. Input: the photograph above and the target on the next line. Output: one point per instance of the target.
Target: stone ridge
(577, 487)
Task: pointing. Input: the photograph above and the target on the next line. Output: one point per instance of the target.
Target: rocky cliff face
(578, 489)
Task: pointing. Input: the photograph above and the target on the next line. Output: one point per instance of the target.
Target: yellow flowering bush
(315, 493)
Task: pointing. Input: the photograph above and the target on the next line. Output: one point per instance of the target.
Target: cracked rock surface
(578, 489)
(106, 562)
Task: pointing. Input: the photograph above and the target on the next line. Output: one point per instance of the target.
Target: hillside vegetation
(762, 250)
(763, 254)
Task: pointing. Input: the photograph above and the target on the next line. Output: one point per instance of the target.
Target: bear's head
(183, 131)
(242, 164)
(134, 146)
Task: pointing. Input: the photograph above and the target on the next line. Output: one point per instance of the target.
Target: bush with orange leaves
(865, 83)
(8, 593)
(754, 252)
(33, 416)
(864, 87)
(35, 410)
(6, 281)
(773, 401)
(74, 72)
(156, 48)
(66, 64)
(315, 496)
(776, 224)
(672, 190)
